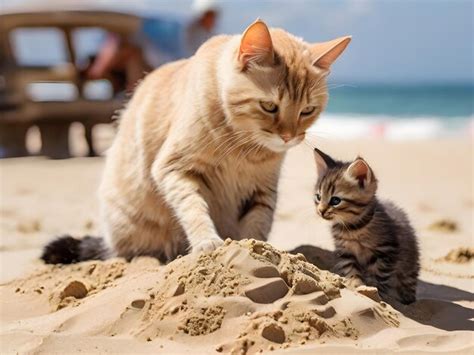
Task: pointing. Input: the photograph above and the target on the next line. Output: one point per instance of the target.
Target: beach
(72, 309)
(400, 96)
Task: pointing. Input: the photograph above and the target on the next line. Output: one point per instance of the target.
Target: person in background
(161, 39)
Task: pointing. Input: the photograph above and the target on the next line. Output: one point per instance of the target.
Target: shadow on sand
(435, 305)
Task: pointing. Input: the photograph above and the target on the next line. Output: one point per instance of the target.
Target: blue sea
(398, 112)
(403, 101)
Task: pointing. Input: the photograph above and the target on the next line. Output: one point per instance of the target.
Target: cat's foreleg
(181, 191)
(383, 268)
(406, 288)
(348, 267)
(258, 219)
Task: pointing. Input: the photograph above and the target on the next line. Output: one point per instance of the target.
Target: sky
(394, 41)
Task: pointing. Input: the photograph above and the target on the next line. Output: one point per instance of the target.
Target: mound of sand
(444, 226)
(244, 297)
(459, 256)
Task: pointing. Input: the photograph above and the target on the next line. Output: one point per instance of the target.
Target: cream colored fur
(196, 159)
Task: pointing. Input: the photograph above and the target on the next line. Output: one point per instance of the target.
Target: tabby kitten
(375, 243)
(199, 148)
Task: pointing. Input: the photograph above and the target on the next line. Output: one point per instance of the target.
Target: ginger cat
(198, 153)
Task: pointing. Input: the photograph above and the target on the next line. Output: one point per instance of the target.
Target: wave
(348, 126)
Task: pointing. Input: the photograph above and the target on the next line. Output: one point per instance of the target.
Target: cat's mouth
(275, 143)
(326, 216)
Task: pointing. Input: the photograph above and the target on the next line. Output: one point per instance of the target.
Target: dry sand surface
(247, 295)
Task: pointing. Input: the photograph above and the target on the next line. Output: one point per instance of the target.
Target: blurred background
(67, 66)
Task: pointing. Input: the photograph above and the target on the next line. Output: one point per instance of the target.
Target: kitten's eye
(268, 106)
(308, 110)
(334, 201)
(317, 197)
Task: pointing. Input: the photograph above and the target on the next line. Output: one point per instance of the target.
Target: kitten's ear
(359, 171)
(323, 161)
(256, 44)
(326, 53)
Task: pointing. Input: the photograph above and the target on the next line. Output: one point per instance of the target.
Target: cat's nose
(322, 211)
(286, 137)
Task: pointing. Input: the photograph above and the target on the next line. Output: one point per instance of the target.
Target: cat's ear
(360, 172)
(326, 53)
(256, 44)
(323, 161)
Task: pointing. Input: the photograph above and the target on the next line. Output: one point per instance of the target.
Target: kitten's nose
(322, 211)
(286, 137)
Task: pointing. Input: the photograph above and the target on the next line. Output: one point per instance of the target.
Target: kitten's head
(343, 190)
(276, 87)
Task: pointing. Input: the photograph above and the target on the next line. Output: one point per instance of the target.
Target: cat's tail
(69, 250)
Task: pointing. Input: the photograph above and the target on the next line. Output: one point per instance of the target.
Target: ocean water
(403, 101)
(398, 112)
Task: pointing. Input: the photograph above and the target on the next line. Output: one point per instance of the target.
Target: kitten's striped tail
(69, 250)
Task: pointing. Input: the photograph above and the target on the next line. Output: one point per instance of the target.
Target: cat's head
(276, 88)
(344, 190)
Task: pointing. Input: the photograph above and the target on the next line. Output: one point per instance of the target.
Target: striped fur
(196, 157)
(375, 243)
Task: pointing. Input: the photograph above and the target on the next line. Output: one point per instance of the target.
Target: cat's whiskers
(337, 86)
(213, 138)
(251, 142)
(254, 149)
(223, 125)
(234, 147)
(211, 132)
(322, 93)
(317, 135)
(317, 84)
(227, 143)
(228, 138)
(340, 221)
(221, 140)
(308, 144)
(244, 153)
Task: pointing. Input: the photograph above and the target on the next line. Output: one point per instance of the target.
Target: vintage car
(43, 56)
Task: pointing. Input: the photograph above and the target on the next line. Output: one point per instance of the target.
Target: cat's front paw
(208, 244)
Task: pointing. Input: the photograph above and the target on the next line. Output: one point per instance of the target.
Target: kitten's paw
(354, 282)
(208, 244)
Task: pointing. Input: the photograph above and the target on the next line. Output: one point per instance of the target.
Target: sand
(246, 296)
(250, 296)
(459, 255)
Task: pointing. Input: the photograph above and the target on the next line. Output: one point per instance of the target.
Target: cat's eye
(334, 201)
(308, 110)
(317, 197)
(269, 106)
